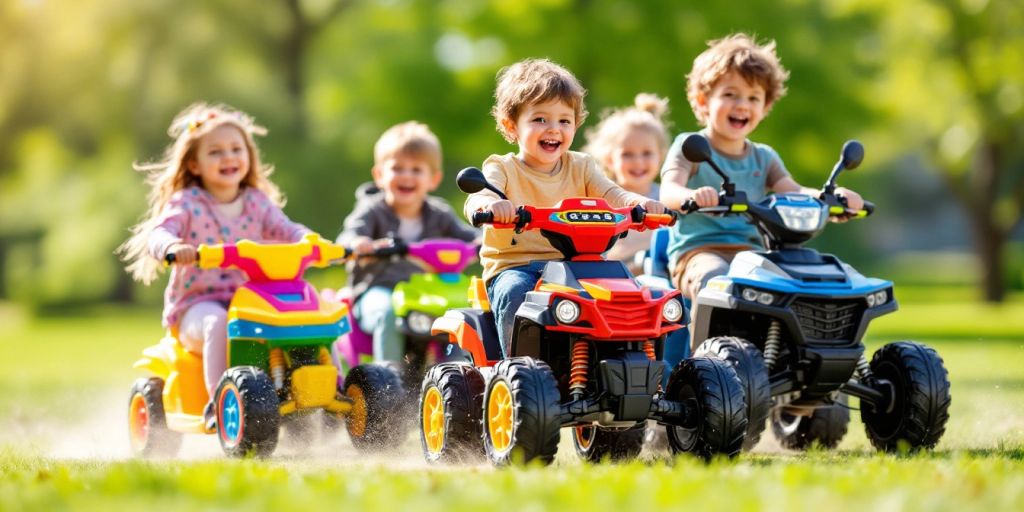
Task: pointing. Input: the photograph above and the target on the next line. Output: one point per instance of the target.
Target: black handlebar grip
(689, 206)
(638, 213)
(169, 258)
(869, 207)
(482, 218)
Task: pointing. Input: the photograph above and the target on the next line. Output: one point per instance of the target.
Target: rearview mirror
(852, 155)
(471, 181)
(696, 148)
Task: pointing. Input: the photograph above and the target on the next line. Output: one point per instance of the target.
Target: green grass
(64, 381)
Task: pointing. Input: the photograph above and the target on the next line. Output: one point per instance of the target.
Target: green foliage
(67, 190)
(87, 88)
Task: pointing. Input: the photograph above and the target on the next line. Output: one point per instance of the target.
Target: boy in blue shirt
(731, 88)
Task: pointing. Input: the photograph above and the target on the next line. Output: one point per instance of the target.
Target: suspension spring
(864, 369)
(325, 357)
(579, 368)
(277, 367)
(649, 350)
(771, 344)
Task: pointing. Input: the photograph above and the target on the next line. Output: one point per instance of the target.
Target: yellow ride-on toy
(279, 365)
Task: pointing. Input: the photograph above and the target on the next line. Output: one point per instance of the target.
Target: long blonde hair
(647, 113)
(170, 174)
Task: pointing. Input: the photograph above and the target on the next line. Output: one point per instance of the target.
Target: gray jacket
(373, 218)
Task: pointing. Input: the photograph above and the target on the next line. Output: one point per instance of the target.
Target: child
(731, 88)
(539, 106)
(210, 188)
(630, 143)
(407, 166)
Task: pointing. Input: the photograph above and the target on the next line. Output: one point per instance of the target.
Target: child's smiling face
(221, 161)
(544, 132)
(635, 161)
(734, 108)
(405, 180)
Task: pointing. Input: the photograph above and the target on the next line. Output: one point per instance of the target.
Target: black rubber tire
(748, 362)
(386, 421)
(615, 444)
(157, 440)
(825, 427)
(718, 424)
(921, 398)
(259, 412)
(461, 387)
(535, 412)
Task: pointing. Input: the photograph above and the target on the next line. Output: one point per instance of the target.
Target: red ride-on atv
(585, 353)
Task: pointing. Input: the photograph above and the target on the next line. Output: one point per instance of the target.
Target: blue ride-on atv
(791, 321)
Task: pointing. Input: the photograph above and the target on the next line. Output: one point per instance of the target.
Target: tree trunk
(989, 243)
(989, 236)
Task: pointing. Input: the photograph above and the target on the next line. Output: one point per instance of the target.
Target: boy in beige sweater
(539, 106)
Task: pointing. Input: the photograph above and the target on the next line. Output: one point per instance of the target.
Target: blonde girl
(630, 143)
(210, 187)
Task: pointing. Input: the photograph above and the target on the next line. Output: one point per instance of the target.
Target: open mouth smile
(738, 122)
(550, 145)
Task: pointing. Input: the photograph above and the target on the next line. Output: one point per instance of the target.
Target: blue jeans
(507, 291)
(376, 316)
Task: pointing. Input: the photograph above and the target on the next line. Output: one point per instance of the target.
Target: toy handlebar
(274, 261)
(689, 206)
(846, 212)
(480, 218)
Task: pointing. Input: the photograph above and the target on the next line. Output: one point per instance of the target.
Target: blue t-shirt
(753, 172)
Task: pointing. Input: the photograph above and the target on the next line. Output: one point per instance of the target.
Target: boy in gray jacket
(407, 167)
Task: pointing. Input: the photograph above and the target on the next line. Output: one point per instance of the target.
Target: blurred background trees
(934, 88)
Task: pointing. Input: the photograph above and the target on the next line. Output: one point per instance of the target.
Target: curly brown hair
(757, 64)
(533, 81)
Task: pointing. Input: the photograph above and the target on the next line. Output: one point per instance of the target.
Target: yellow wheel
(451, 406)
(500, 414)
(522, 412)
(376, 421)
(433, 421)
(356, 421)
(585, 436)
(595, 443)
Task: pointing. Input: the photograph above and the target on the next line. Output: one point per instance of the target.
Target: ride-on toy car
(279, 366)
(416, 302)
(583, 354)
(791, 321)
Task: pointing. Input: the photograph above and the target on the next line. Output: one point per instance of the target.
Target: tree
(951, 82)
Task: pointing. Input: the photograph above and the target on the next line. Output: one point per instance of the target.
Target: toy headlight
(877, 298)
(801, 218)
(567, 311)
(419, 322)
(672, 310)
(758, 296)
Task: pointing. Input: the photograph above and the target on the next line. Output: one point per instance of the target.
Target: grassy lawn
(64, 382)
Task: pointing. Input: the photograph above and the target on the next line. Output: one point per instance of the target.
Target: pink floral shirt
(191, 216)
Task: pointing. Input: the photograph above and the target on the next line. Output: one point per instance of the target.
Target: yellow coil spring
(649, 350)
(277, 367)
(325, 356)
(579, 367)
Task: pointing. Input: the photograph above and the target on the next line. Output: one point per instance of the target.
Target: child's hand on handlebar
(853, 200)
(362, 245)
(503, 210)
(184, 254)
(653, 206)
(705, 197)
